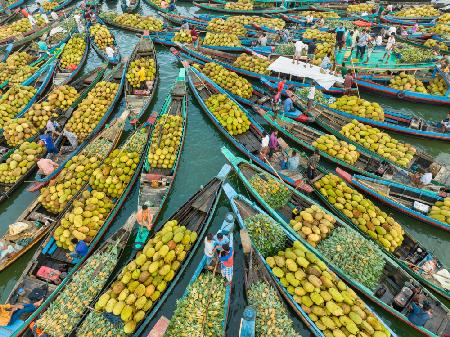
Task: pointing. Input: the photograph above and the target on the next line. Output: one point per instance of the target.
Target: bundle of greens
(272, 191)
(266, 234)
(411, 54)
(319, 96)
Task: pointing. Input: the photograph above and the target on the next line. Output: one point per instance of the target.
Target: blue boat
(12, 6)
(429, 21)
(111, 60)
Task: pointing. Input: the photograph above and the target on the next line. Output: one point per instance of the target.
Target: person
(109, 52)
(194, 34)
(320, 22)
(348, 39)
(284, 35)
(419, 315)
(311, 96)
(264, 145)
(185, 26)
(226, 262)
(361, 45)
(73, 141)
(81, 248)
(370, 48)
(220, 240)
(43, 48)
(54, 16)
(144, 217)
(209, 249)
(172, 7)
(348, 83)
(312, 163)
(46, 139)
(164, 4)
(426, 178)
(11, 313)
(379, 40)
(31, 20)
(309, 20)
(275, 105)
(355, 38)
(403, 31)
(46, 166)
(389, 48)
(344, 69)
(280, 88)
(293, 161)
(311, 49)
(326, 62)
(446, 123)
(273, 143)
(289, 109)
(340, 36)
(52, 126)
(142, 74)
(389, 8)
(262, 40)
(391, 30)
(415, 28)
(299, 47)
(39, 9)
(80, 25)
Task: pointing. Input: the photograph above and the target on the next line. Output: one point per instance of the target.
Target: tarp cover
(284, 65)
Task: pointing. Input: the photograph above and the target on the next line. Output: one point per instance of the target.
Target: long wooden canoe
(107, 18)
(261, 10)
(101, 53)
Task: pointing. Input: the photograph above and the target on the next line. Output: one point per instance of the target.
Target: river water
(200, 161)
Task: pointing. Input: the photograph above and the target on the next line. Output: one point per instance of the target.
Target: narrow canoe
(244, 208)
(6, 18)
(61, 5)
(261, 10)
(130, 8)
(409, 21)
(156, 7)
(176, 105)
(438, 324)
(14, 5)
(418, 42)
(108, 21)
(139, 99)
(116, 58)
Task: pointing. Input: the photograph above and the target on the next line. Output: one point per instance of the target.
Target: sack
(18, 227)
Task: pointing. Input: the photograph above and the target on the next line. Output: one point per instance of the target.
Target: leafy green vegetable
(274, 193)
(319, 96)
(266, 233)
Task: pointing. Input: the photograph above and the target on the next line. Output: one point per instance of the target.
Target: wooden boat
(13, 5)
(101, 53)
(156, 7)
(115, 244)
(426, 21)
(176, 104)
(137, 99)
(249, 142)
(107, 18)
(61, 5)
(178, 19)
(418, 42)
(214, 7)
(243, 209)
(394, 279)
(6, 18)
(129, 7)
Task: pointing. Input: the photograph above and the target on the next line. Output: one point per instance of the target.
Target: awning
(284, 65)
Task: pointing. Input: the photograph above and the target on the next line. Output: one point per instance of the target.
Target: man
(185, 26)
(109, 52)
(379, 40)
(280, 88)
(73, 141)
(311, 96)
(54, 16)
(275, 105)
(209, 249)
(348, 83)
(326, 62)
(46, 166)
(264, 145)
(293, 161)
(144, 217)
(220, 240)
(361, 45)
(389, 48)
(262, 40)
(420, 315)
(273, 143)
(391, 30)
(299, 47)
(289, 109)
(446, 124)
(311, 49)
(309, 20)
(226, 261)
(426, 178)
(313, 161)
(10, 313)
(80, 25)
(340, 36)
(51, 127)
(46, 139)
(284, 35)
(81, 248)
(370, 48)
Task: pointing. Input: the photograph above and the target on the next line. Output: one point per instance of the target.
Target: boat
(130, 7)
(196, 215)
(12, 5)
(114, 246)
(249, 142)
(245, 208)
(156, 183)
(101, 53)
(425, 21)
(8, 17)
(83, 85)
(108, 19)
(419, 43)
(138, 99)
(61, 5)
(394, 280)
(215, 7)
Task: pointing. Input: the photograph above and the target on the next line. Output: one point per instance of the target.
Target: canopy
(284, 65)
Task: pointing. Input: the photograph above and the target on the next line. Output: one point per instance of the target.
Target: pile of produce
(362, 212)
(359, 107)
(17, 130)
(198, 311)
(359, 8)
(335, 308)
(358, 257)
(379, 142)
(156, 2)
(13, 101)
(337, 148)
(273, 23)
(116, 171)
(143, 280)
(102, 36)
(228, 80)
(318, 97)
(285, 49)
(95, 324)
(64, 313)
(20, 161)
(267, 235)
(228, 114)
(272, 191)
(441, 211)
(19, 58)
(62, 97)
(252, 63)
(431, 43)
(19, 27)
(437, 86)
(240, 5)
(182, 36)
(23, 73)
(91, 110)
(441, 29)
(418, 11)
(50, 5)
(333, 24)
(149, 23)
(166, 138)
(87, 215)
(219, 25)
(133, 77)
(272, 317)
(412, 54)
(313, 224)
(73, 52)
(444, 18)
(317, 34)
(221, 39)
(323, 49)
(325, 15)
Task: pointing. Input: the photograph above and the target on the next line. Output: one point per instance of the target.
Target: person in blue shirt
(420, 315)
(47, 140)
(81, 248)
(289, 109)
(219, 241)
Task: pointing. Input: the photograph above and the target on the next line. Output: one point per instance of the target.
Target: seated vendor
(445, 124)
(289, 109)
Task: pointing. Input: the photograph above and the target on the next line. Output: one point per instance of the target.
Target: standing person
(11, 313)
(220, 240)
(348, 39)
(311, 50)
(370, 48)
(280, 88)
(81, 248)
(355, 38)
(311, 96)
(73, 141)
(46, 139)
(226, 258)
(326, 62)
(299, 47)
(275, 104)
(264, 145)
(419, 315)
(309, 20)
(389, 47)
(311, 168)
(361, 45)
(348, 83)
(144, 217)
(46, 166)
(273, 143)
(209, 249)
(379, 40)
(262, 40)
(340, 36)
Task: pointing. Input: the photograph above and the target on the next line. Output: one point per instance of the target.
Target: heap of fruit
(317, 34)
(91, 110)
(359, 107)
(325, 15)
(273, 23)
(359, 8)
(87, 215)
(143, 280)
(275, 194)
(445, 18)
(333, 307)
(361, 211)
(182, 36)
(228, 114)
(219, 25)
(165, 141)
(22, 74)
(313, 224)
(73, 52)
(441, 211)
(418, 11)
(333, 24)
(13, 101)
(95, 324)
(442, 29)
(102, 36)
(228, 80)
(432, 42)
(323, 49)
(19, 27)
(379, 142)
(19, 58)
(20, 161)
(221, 39)
(412, 54)
(437, 86)
(318, 97)
(252, 63)
(133, 76)
(337, 148)
(17, 130)
(240, 5)
(209, 313)
(272, 318)
(149, 23)
(266, 234)
(62, 97)
(49, 5)
(65, 312)
(358, 257)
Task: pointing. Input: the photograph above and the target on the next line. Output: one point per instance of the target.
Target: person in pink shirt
(46, 166)
(273, 143)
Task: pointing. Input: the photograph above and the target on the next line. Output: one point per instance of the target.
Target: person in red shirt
(194, 34)
(227, 261)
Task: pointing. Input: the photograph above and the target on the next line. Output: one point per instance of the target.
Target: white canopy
(284, 65)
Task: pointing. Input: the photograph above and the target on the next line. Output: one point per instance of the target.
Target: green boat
(214, 7)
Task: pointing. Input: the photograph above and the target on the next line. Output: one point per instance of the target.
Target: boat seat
(7, 331)
(50, 247)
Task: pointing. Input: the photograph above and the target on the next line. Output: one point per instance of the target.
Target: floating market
(251, 168)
